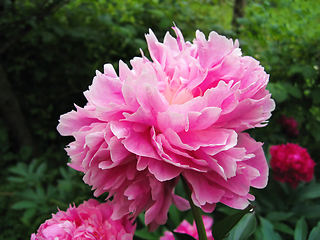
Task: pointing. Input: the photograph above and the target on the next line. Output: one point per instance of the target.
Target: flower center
(174, 94)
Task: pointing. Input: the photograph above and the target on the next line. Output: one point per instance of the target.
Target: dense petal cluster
(291, 164)
(186, 227)
(289, 125)
(181, 113)
(89, 220)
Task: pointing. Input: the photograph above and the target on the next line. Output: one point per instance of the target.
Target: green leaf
(32, 167)
(51, 191)
(41, 169)
(20, 169)
(308, 211)
(157, 13)
(283, 228)
(222, 228)
(257, 233)
(309, 72)
(267, 230)
(244, 228)
(28, 214)
(279, 216)
(16, 179)
(315, 233)
(30, 194)
(307, 192)
(144, 234)
(279, 93)
(301, 231)
(24, 205)
(314, 128)
(174, 215)
(40, 193)
(292, 90)
(295, 69)
(182, 236)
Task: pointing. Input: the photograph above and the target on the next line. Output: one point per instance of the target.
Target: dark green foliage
(301, 230)
(221, 229)
(245, 228)
(182, 236)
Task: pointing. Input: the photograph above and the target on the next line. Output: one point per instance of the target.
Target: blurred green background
(50, 49)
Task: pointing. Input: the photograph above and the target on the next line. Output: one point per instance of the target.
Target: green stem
(195, 211)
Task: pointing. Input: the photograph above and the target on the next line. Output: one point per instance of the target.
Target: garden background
(50, 49)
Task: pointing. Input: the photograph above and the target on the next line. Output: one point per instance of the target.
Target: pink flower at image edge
(89, 220)
(186, 227)
(181, 113)
(291, 163)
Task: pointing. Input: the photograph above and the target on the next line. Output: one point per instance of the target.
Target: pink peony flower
(289, 125)
(186, 227)
(181, 113)
(89, 220)
(291, 163)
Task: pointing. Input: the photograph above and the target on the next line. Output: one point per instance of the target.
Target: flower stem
(195, 212)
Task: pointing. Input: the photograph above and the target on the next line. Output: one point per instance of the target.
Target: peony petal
(72, 122)
(105, 90)
(163, 171)
(202, 191)
(140, 144)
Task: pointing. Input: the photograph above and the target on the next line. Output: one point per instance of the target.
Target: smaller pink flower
(289, 125)
(186, 227)
(291, 163)
(90, 220)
